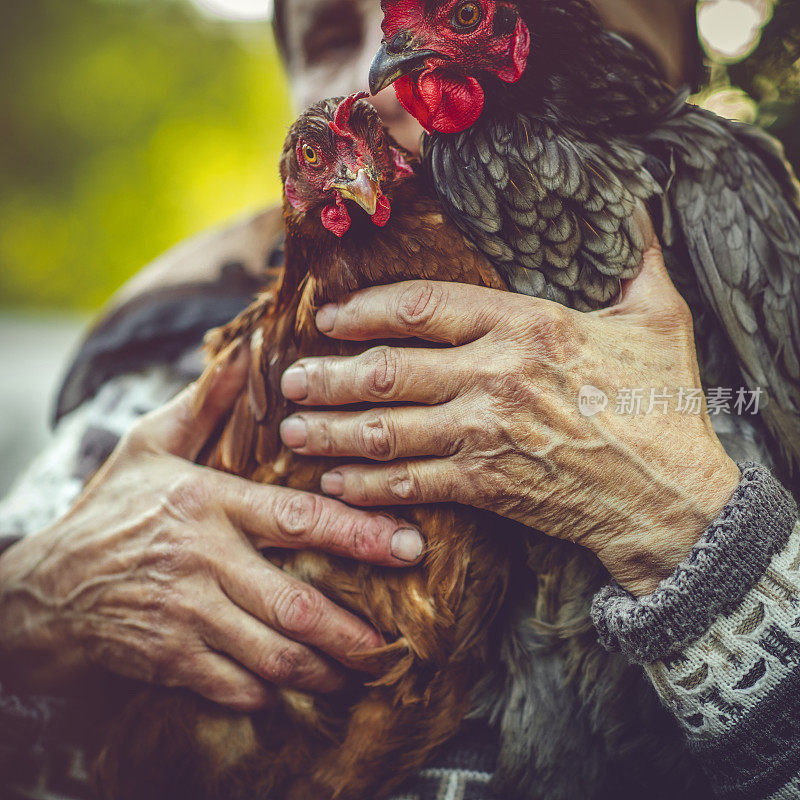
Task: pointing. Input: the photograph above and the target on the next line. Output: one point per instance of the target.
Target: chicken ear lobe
(518, 53)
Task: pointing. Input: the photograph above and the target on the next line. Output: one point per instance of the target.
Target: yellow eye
(467, 15)
(310, 155)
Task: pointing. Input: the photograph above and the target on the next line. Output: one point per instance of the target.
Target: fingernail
(293, 432)
(332, 483)
(294, 383)
(326, 317)
(407, 545)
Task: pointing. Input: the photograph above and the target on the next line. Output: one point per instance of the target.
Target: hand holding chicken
(495, 423)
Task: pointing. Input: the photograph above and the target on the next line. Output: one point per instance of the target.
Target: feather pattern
(555, 181)
(544, 208)
(553, 184)
(735, 212)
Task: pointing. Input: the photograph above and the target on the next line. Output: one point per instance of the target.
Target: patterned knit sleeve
(80, 444)
(720, 641)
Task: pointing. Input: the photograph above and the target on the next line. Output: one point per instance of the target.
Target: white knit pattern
(446, 783)
(47, 489)
(722, 676)
(789, 792)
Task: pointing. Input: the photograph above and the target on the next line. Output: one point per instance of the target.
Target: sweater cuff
(721, 569)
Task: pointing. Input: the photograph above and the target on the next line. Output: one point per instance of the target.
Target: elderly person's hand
(154, 573)
(494, 421)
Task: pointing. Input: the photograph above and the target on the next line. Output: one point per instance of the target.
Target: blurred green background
(126, 126)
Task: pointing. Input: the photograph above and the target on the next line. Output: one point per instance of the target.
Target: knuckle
(164, 663)
(364, 538)
(281, 665)
(186, 497)
(550, 332)
(298, 610)
(377, 438)
(402, 483)
(319, 432)
(419, 302)
(296, 513)
(364, 641)
(510, 385)
(382, 369)
(327, 377)
(359, 487)
(174, 551)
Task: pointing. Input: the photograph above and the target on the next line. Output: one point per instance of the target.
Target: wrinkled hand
(153, 573)
(493, 421)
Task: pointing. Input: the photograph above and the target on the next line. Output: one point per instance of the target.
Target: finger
(297, 612)
(399, 483)
(651, 298)
(268, 654)
(223, 681)
(183, 425)
(650, 288)
(273, 516)
(432, 310)
(380, 375)
(379, 434)
(652, 280)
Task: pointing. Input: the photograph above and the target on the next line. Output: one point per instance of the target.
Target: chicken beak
(362, 189)
(395, 59)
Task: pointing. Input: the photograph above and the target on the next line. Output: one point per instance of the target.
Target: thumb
(652, 289)
(184, 425)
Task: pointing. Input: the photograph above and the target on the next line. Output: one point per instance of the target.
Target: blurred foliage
(771, 76)
(764, 87)
(126, 126)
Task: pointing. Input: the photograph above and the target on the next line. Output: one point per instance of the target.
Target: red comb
(341, 119)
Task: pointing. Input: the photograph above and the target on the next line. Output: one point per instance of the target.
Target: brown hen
(436, 618)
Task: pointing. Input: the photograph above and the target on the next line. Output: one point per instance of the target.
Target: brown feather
(436, 617)
(256, 384)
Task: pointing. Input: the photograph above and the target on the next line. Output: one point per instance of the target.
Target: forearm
(720, 641)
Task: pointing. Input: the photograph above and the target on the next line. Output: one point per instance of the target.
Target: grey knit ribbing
(723, 566)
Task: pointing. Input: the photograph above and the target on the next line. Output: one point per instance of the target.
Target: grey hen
(549, 141)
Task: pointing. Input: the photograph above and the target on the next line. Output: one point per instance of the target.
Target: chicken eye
(467, 16)
(310, 155)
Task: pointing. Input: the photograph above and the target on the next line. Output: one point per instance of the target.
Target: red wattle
(382, 211)
(441, 102)
(336, 218)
